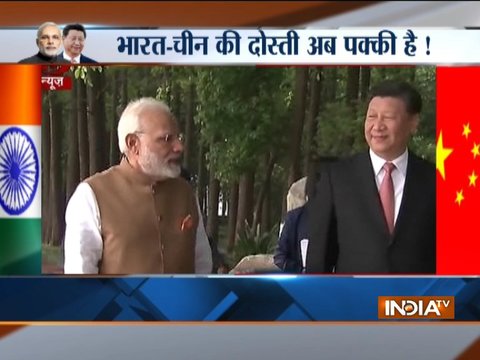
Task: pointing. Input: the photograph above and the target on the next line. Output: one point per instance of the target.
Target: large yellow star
(460, 197)
(442, 154)
(475, 150)
(466, 130)
(473, 178)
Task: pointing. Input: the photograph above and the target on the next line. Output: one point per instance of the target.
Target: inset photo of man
(49, 42)
(74, 37)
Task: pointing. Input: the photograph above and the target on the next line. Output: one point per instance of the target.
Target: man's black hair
(402, 90)
(77, 27)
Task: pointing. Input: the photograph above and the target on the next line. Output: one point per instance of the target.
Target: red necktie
(387, 196)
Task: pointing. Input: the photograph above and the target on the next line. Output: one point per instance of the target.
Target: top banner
(344, 46)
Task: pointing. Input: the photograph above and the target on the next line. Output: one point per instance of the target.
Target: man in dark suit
(74, 36)
(48, 41)
(288, 252)
(378, 208)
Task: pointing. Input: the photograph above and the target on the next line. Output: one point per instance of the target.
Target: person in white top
(84, 242)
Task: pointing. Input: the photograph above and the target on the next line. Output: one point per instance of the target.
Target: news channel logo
(416, 307)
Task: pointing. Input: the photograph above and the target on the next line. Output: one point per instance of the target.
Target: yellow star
(473, 178)
(460, 197)
(466, 130)
(442, 154)
(475, 150)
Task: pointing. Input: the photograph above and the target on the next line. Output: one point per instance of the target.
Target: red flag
(458, 171)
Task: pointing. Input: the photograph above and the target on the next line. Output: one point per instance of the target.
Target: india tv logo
(19, 171)
(416, 307)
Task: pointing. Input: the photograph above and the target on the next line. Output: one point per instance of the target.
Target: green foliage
(52, 255)
(340, 131)
(240, 112)
(423, 147)
(244, 113)
(340, 127)
(251, 242)
(425, 81)
(82, 72)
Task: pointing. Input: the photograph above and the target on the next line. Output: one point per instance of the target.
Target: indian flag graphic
(20, 180)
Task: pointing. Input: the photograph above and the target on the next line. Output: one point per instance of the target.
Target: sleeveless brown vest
(146, 228)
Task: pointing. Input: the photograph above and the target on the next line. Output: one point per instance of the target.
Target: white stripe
(34, 210)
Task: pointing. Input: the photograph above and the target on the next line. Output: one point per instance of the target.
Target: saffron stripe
(20, 95)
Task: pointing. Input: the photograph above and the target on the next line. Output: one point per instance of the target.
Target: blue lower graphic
(259, 298)
(19, 171)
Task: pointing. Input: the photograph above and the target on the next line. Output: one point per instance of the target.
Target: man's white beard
(155, 167)
(50, 53)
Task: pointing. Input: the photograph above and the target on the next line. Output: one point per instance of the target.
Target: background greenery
(250, 133)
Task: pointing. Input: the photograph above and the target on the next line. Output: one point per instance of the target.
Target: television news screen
(274, 222)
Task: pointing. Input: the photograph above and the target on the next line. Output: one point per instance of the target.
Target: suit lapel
(368, 191)
(411, 194)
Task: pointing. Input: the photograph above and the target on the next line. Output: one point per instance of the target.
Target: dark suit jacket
(39, 58)
(347, 211)
(83, 59)
(287, 254)
(86, 60)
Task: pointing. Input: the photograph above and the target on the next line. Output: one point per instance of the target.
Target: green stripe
(20, 246)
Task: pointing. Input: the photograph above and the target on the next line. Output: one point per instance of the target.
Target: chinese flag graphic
(458, 170)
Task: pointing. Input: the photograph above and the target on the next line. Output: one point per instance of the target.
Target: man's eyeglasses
(167, 139)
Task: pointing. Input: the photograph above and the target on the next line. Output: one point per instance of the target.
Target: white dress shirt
(68, 58)
(398, 175)
(83, 240)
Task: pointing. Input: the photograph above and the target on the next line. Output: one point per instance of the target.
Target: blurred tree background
(250, 132)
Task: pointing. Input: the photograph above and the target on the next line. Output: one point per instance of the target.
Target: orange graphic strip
(8, 329)
(20, 95)
(472, 352)
(173, 13)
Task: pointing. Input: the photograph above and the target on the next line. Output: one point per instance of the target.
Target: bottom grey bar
(239, 341)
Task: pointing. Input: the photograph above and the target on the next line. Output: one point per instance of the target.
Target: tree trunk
(245, 200)
(311, 121)
(301, 75)
(202, 178)
(176, 107)
(413, 72)
(123, 98)
(331, 85)
(167, 85)
(188, 153)
(73, 166)
(232, 216)
(269, 164)
(353, 82)
(82, 129)
(266, 224)
(46, 204)
(212, 217)
(56, 191)
(365, 83)
(114, 150)
(96, 123)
